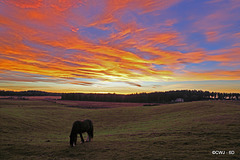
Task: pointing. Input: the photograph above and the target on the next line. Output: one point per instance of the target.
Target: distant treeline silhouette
(154, 97)
(28, 93)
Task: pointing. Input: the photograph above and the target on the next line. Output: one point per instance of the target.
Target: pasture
(31, 129)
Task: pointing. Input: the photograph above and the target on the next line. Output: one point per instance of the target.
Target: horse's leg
(81, 138)
(88, 137)
(74, 143)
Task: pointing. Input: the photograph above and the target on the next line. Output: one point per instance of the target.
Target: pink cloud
(215, 26)
(212, 36)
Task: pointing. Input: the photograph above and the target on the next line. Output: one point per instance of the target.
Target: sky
(120, 46)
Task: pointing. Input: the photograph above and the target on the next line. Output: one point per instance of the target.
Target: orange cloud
(214, 1)
(228, 57)
(26, 4)
(106, 63)
(212, 75)
(36, 15)
(46, 38)
(237, 35)
(150, 6)
(170, 22)
(212, 36)
(75, 29)
(115, 9)
(173, 57)
(63, 5)
(59, 5)
(164, 38)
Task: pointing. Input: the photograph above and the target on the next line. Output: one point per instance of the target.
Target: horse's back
(86, 125)
(83, 126)
(87, 121)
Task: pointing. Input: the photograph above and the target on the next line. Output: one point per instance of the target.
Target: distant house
(179, 100)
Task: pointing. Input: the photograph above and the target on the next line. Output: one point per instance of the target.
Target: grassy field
(40, 130)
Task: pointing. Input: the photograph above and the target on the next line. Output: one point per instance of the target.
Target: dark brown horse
(80, 127)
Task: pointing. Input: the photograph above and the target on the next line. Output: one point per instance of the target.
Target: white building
(179, 100)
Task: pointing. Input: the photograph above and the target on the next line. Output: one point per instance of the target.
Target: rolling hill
(194, 130)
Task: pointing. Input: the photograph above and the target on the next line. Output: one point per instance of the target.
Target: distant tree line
(28, 93)
(154, 97)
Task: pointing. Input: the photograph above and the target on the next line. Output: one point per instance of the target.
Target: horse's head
(73, 140)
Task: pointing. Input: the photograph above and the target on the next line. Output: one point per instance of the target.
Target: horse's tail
(91, 129)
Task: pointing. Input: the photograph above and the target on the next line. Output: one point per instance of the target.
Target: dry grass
(40, 130)
(98, 105)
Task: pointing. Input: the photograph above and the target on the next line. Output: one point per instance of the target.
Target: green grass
(40, 130)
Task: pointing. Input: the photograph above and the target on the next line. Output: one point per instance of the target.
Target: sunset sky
(120, 46)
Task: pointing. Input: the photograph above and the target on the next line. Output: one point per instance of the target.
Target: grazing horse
(80, 127)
